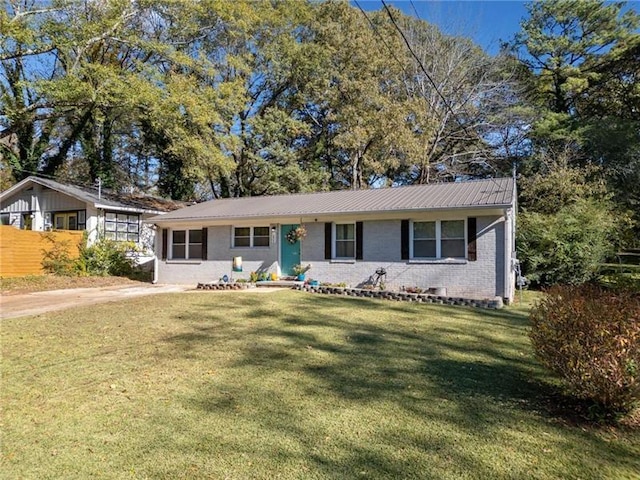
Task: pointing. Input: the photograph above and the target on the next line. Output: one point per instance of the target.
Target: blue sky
(486, 22)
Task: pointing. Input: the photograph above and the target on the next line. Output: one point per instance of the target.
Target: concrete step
(279, 283)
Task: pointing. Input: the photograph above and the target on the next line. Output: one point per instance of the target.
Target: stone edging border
(223, 286)
(494, 304)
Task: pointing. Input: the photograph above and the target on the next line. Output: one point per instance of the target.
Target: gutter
(126, 209)
(205, 218)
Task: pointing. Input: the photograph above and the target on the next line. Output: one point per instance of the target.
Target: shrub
(106, 257)
(566, 247)
(57, 259)
(590, 337)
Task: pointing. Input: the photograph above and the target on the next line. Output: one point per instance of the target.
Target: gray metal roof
(495, 192)
(107, 198)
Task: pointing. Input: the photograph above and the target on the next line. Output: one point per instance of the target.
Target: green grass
(288, 385)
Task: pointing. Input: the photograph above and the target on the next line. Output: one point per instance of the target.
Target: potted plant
(300, 271)
(296, 234)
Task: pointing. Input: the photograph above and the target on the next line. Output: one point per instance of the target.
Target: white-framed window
(186, 244)
(123, 227)
(438, 239)
(247, 237)
(344, 240)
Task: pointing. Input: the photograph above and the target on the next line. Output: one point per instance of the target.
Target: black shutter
(472, 250)
(327, 241)
(165, 238)
(404, 240)
(205, 243)
(359, 240)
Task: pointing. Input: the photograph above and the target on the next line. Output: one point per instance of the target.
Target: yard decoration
(296, 234)
(300, 271)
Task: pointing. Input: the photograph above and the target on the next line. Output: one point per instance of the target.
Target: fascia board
(326, 217)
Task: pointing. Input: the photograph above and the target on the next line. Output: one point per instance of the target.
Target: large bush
(566, 247)
(106, 257)
(590, 337)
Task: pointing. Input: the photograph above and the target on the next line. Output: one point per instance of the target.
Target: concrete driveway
(12, 306)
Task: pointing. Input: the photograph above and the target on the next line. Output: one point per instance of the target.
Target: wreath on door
(296, 234)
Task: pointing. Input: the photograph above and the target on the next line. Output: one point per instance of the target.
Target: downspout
(155, 256)
(510, 244)
(508, 257)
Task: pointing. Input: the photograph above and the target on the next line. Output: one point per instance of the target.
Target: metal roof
(107, 198)
(494, 192)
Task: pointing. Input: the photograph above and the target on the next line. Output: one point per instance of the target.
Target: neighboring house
(37, 203)
(454, 235)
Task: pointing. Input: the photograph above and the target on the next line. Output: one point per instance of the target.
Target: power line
(424, 70)
(419, 62)
(414, 10)
(375, 30)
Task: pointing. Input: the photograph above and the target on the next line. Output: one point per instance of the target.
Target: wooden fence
(22, 251)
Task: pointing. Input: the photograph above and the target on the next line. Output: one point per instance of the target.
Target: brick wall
(381, 248)
(483, 278)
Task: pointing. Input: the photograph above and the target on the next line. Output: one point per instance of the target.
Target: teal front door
(289, 252)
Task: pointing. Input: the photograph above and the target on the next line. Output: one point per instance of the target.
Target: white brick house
(454, 235)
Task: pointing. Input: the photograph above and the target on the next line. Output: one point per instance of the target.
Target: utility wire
(417, 59)
(424, 70)
(414, 10)
(391, 51)
(375, 30)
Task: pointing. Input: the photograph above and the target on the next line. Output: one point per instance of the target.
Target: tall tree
(357, 107)
(583, 58)
(459, 95)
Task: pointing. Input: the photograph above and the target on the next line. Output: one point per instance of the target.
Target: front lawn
(288, 385)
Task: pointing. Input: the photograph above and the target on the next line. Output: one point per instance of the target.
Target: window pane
(345, 231)
(195, 250)
(72, 222)
(133, 237)
(345, 249)
(110, 226)
(452, 248)
(121, 227)
(122, 217)
(195, 236)
(111, 216)
(5, 219)
(133, 218)
(424, 230)
(59, 222)
(178, 251)
(241, 242)
(261, 231)
(121, 236)
(179, 236)
(424, 248)
(453, 229)
(110, 235)
(260, 241)
(242, 232)
(133, 228)
(81, 216)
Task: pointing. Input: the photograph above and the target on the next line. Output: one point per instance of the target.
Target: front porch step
(279, 283)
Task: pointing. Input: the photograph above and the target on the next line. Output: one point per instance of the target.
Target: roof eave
(233, 218)
(127, 209)
(14, 188)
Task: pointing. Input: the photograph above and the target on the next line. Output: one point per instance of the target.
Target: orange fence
(22, 251)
